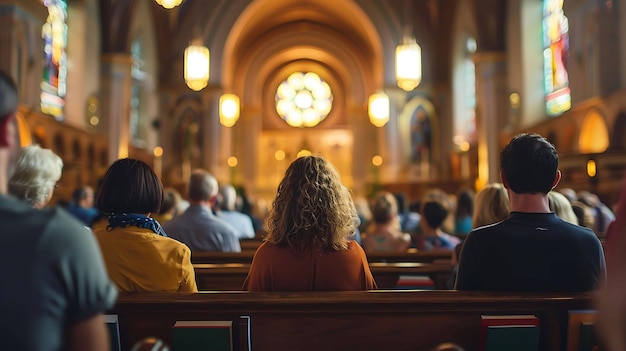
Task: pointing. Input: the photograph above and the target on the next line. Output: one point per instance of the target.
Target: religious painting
(417, 124)
(188, 142)
(421, 136)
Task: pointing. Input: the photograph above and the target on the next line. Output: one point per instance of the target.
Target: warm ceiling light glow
(304, 99)
(377, 160)
(158, 151)
(378, 109)
(229, 109)
(464, 146)
(232, 161)
(94, 120)
(408, 64)
(279, 155)
(169, 4)
(197, 66)
(304, 152)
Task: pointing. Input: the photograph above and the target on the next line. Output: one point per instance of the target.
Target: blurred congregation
(298, 146)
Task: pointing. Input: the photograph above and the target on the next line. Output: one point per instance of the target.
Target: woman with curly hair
(310, 226)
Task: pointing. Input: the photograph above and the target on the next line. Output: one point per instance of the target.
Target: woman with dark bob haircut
(310, 226)
(138, 254)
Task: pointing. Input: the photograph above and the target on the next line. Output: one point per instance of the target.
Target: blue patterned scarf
(124, 220)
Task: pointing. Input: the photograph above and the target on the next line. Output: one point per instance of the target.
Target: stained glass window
(555, 53)
(54, 34)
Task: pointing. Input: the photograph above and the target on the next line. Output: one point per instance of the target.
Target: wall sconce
(229, 109)
(592, 168)
(169, 4)
(378, 109)
(197, 66)
(408, 63)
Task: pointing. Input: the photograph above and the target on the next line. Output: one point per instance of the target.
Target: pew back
(245, 256)
(374, 320)
(230, 276)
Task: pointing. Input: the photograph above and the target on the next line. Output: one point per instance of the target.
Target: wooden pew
(246, 256)
(230, 276)
(374, 320)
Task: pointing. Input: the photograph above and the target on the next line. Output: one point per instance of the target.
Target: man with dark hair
(533, 249)
(54, 285)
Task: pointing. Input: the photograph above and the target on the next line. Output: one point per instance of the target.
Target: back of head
(81, 193)
(561, 206)
(384, 208)
(312, 207)
(529, 164)
(491, 205)
(171, 197)
(584, 214)
(36, 174)
(8, 95)
(202, 186)
(229, 197)
(434, 213)
(130, 186)
(465, 204)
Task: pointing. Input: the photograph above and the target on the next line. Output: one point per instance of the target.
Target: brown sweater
(277, 268)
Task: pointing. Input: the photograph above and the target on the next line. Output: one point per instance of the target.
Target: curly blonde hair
(312, 208)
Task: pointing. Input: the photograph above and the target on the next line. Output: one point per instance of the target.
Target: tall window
(54, 34)
(555, 53)
(465, 121)
(138, 74)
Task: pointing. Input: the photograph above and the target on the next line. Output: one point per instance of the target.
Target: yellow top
(137, 259)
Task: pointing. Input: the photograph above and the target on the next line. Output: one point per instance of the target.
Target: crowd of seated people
(520, 238)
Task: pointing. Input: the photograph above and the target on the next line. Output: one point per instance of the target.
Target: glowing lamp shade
(408, 65)
(378, 109)
(197, 61)
(169, 4)
(229, 109)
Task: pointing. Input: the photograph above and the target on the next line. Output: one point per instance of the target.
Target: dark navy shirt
(533, 252)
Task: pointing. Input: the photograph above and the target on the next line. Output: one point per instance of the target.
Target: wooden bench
(246, 256)
(230, 276)
(374, 320)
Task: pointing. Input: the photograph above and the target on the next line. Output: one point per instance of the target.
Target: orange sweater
(276, 268)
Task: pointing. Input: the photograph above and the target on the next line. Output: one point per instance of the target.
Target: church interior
(242, 88)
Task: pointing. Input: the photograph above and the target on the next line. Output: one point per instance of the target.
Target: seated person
(138, 254)
(198, 227)
(308, 245)
(561, 206)
(82, 205)
(533, 250)
(432, 237)
(36, 174)
(492, 205)
(241, 222)
(383, 235)
(171, 200)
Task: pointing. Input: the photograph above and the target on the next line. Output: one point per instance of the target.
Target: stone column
(211, 133)
(491, 113)
(115, 102)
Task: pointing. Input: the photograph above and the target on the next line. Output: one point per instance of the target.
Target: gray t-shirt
(52, 276)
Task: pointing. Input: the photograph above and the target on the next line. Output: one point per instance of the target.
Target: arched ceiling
(271, 34)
